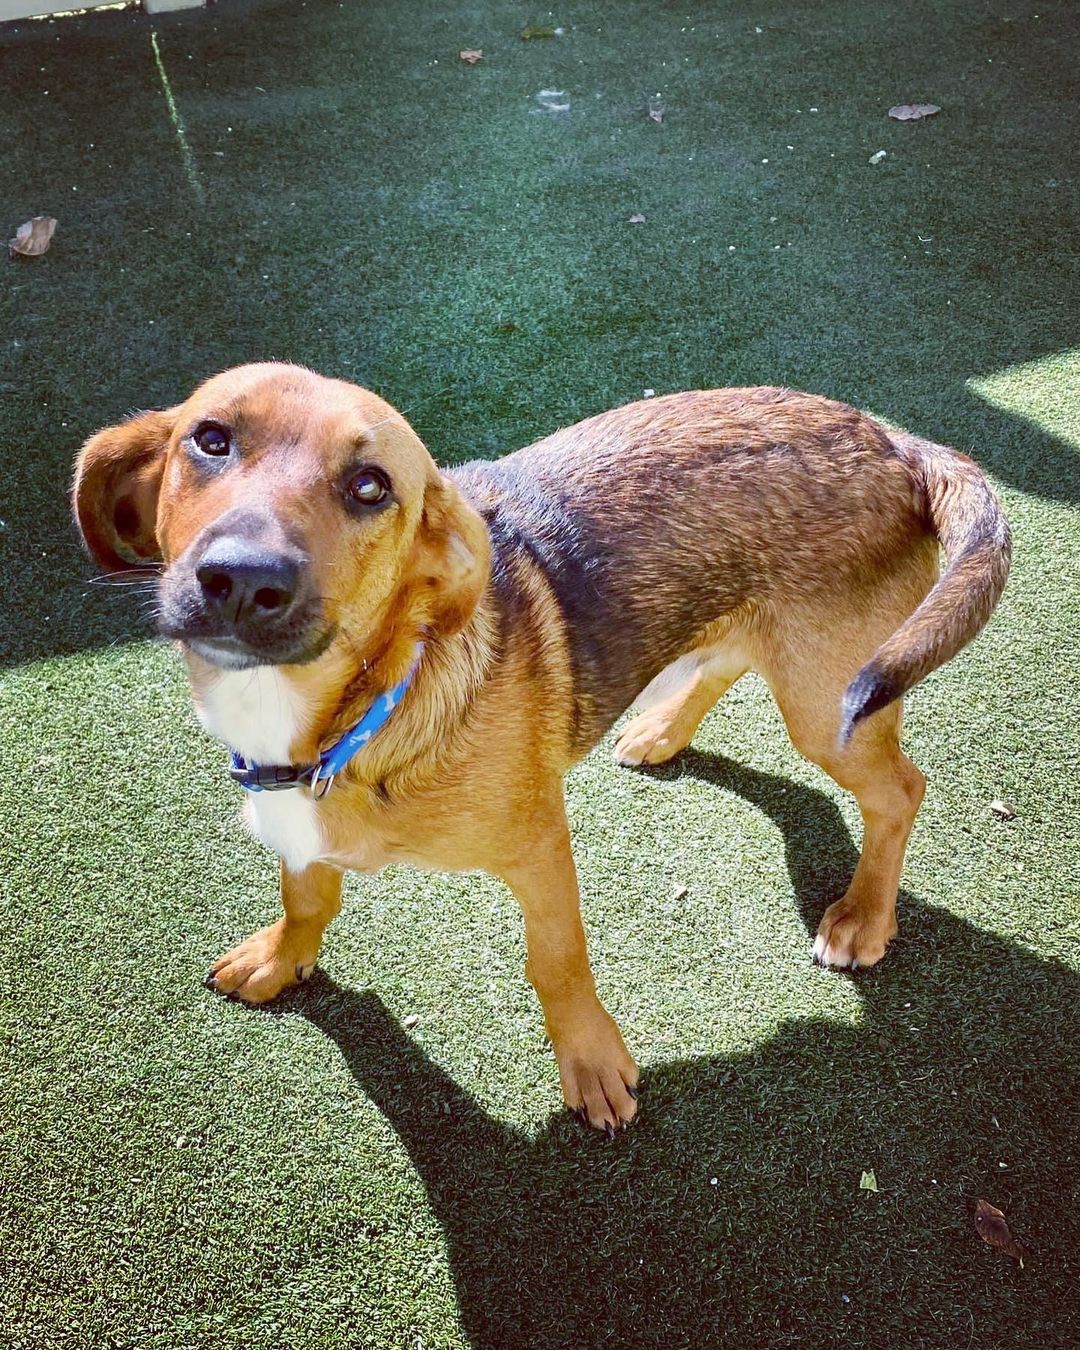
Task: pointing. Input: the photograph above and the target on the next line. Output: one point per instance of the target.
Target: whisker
(125, 588)
(128, 575)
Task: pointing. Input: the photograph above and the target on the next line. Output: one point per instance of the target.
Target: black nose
(244, 580)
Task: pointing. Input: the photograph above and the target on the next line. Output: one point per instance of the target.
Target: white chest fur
(259, 715)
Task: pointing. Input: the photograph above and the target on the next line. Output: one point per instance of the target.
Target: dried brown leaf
(991, 1227)
(536, 30)
(1003, 810)
(913, 112)
(471, 55)
(33, 237)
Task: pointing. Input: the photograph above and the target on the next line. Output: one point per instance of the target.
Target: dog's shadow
(736, 1197)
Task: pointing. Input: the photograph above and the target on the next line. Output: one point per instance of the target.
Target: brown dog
(311, 548)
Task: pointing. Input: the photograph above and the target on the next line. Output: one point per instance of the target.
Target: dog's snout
(242, 579)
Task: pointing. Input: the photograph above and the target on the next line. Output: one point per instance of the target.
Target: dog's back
(657, 524)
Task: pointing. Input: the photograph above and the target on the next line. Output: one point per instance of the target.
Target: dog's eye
(210, 439)
(368, 487)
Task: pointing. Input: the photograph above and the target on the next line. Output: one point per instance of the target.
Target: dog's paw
(648, 739)
(264, 964)
(599, 1078)
(851, 935)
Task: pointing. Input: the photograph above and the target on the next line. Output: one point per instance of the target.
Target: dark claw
(210, 982)
(581, 1114)
(301, 977)
(632, 1091)
(609, 1129)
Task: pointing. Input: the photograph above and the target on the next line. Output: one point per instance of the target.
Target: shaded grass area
(179, 1171)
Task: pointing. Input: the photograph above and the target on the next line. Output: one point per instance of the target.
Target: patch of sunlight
(190, 168)
(78, 13)
(144, 657)
(1045, 392)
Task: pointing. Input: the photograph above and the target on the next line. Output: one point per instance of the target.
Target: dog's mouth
(238, 651)
(233, 653)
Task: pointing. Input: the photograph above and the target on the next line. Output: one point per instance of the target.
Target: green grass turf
(178, 1171)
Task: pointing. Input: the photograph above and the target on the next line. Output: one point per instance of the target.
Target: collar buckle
(272, 777)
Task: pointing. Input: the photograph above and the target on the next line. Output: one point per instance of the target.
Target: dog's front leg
(599, 1079)
(284, 953)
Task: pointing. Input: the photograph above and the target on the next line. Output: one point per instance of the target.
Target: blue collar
(320, 775)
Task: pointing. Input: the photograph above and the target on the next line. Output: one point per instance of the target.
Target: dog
(405, 662)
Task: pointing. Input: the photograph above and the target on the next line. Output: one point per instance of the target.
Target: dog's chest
(258, 713)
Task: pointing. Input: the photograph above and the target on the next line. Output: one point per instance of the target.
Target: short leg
(598, 1076)
(857, 928)
(286, 952)
(674, 712)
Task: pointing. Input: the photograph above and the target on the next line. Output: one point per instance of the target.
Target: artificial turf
(179, 1171)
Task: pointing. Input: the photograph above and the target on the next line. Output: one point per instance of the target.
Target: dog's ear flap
(454, 560)
(115, 493)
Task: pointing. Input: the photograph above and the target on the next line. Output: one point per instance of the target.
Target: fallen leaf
(679, 891)
(868, 1182)
(991, 1227)
(411, 1021)
(913, 112)
(536, 31)
(470, 55)
(33, 237)
(507, 326)
(1003, 810)
(636, 219)
(877, 156)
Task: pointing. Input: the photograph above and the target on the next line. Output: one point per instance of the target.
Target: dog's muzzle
(240, 600)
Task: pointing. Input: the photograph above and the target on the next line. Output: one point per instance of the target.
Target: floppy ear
(115, 494)
(454, 560)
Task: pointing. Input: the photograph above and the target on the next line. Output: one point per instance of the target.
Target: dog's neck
(261, 714)
(288, 714)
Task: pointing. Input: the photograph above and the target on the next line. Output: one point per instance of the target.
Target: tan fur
(713, 533)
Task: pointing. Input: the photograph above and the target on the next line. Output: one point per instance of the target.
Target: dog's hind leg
(673, 705)
(857, 928)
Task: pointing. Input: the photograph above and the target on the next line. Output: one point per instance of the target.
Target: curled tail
(967, 519)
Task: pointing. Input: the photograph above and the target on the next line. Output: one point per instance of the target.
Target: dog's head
(287, 513)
